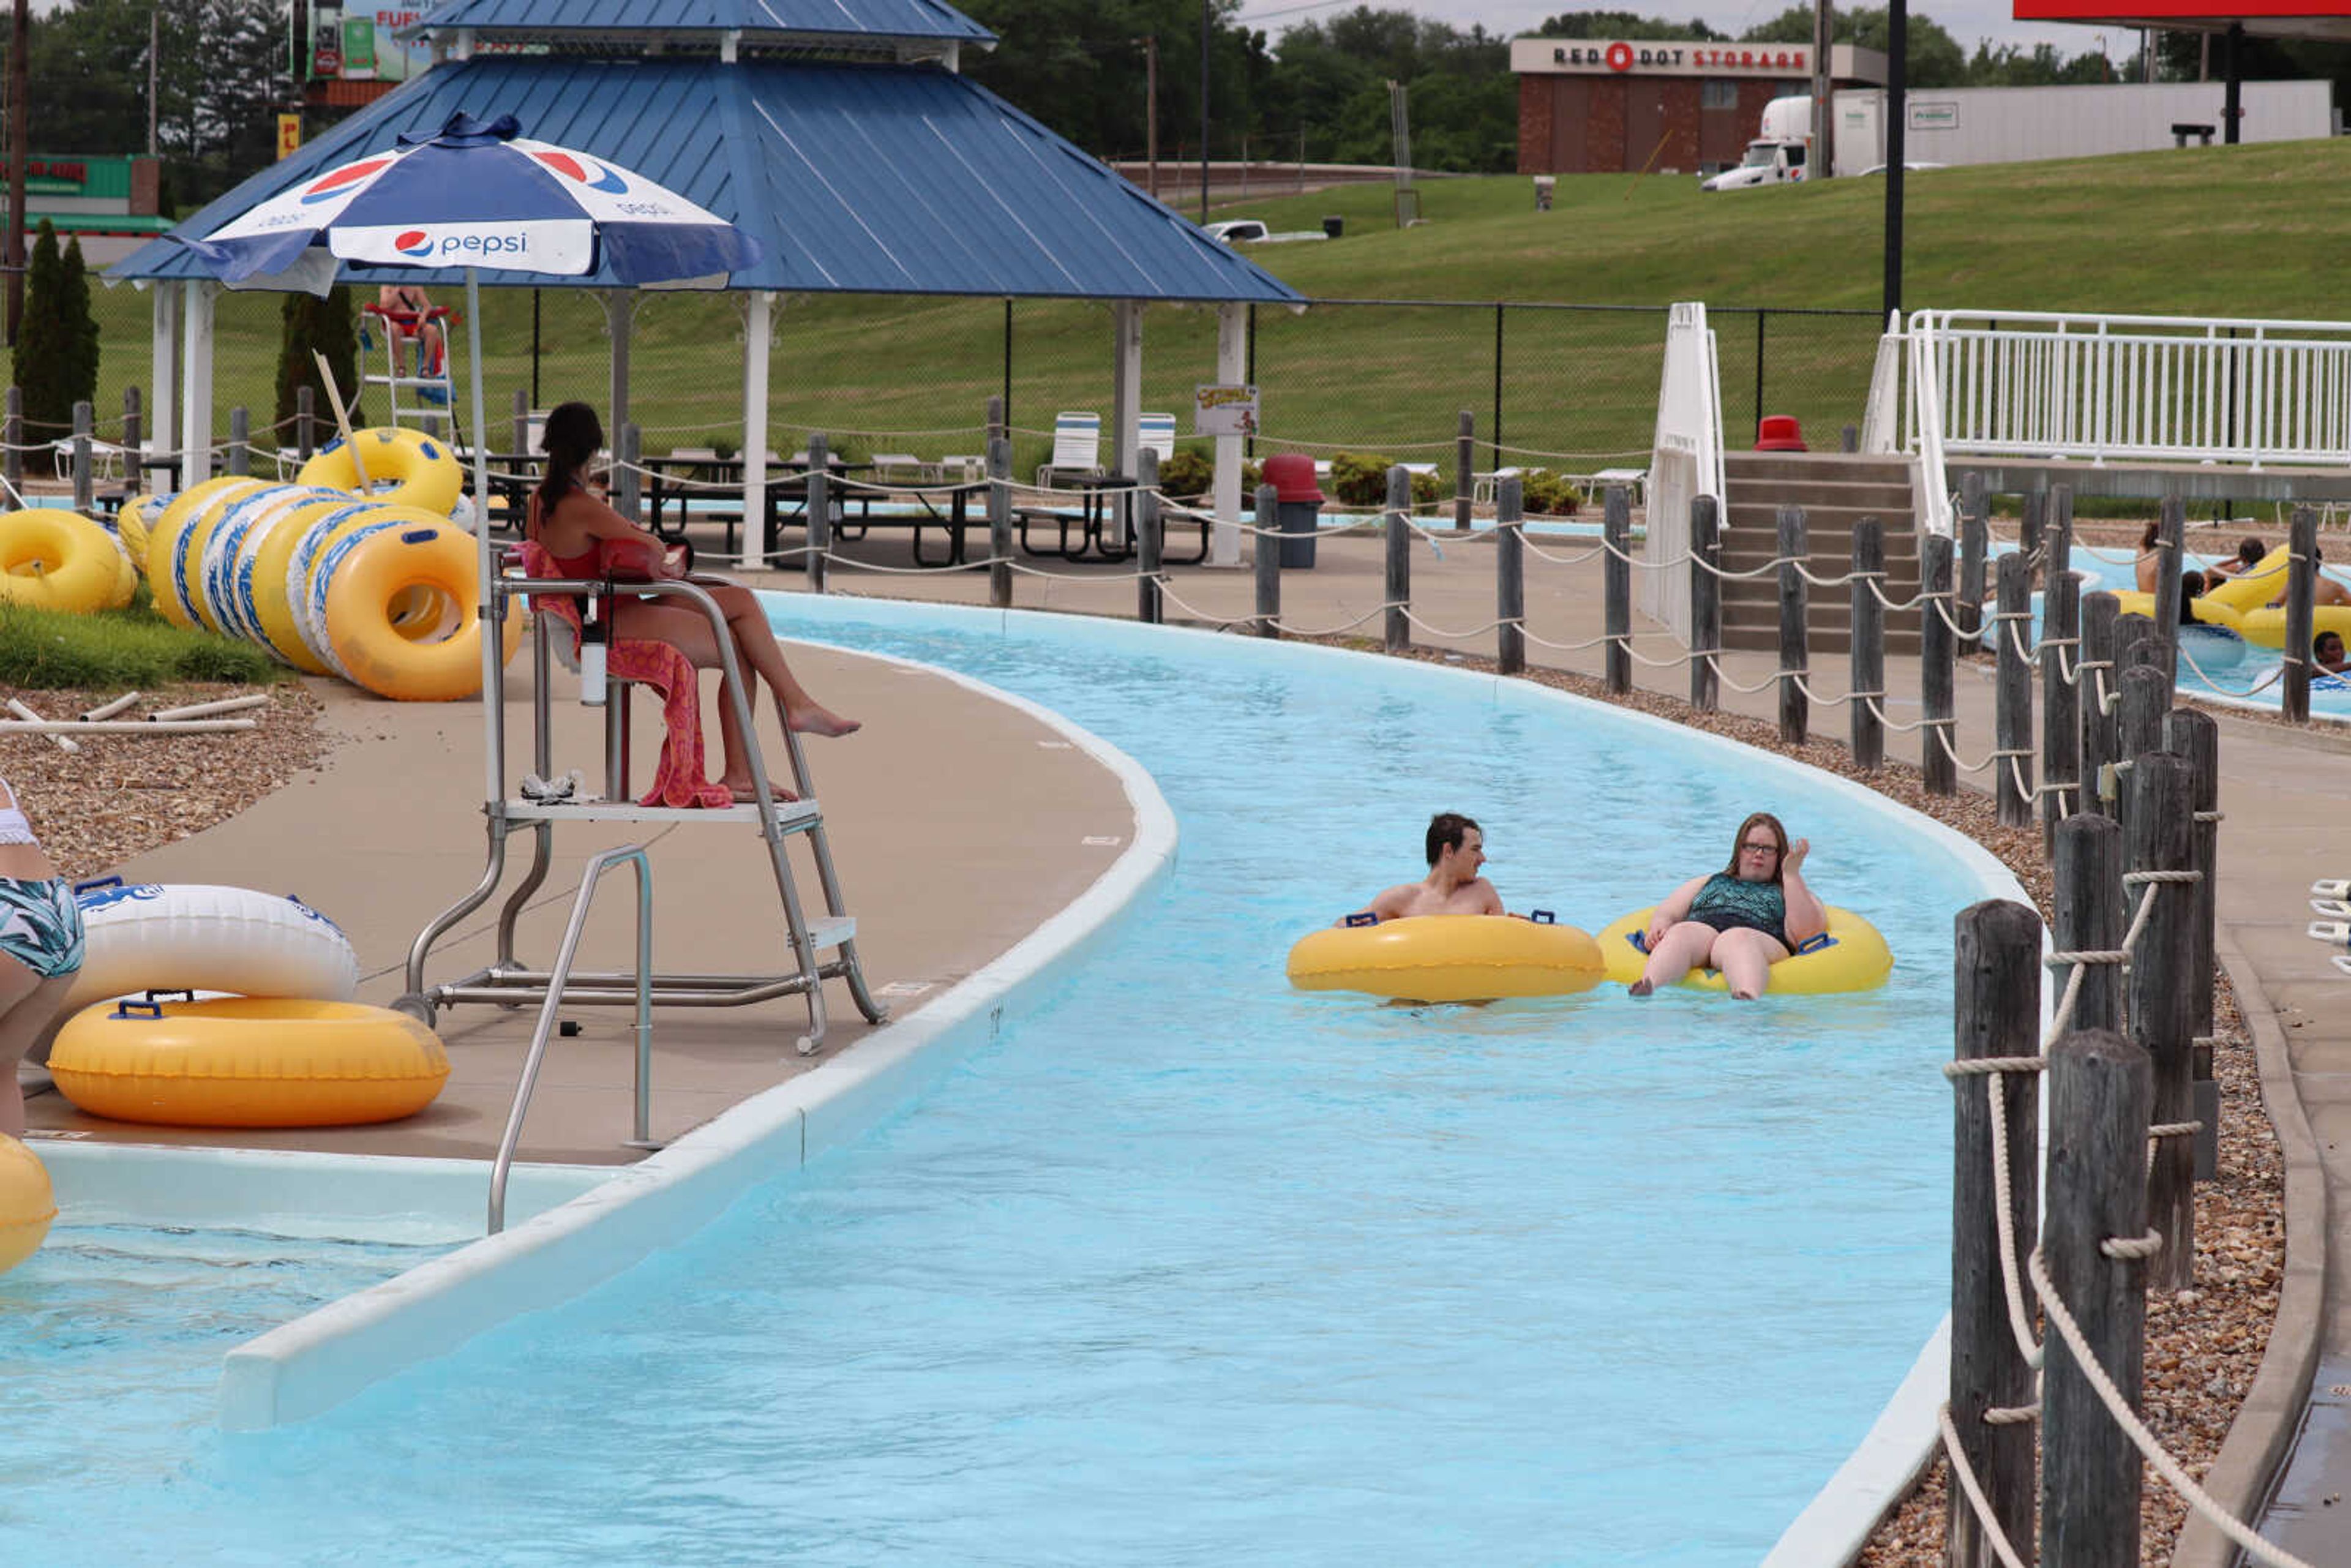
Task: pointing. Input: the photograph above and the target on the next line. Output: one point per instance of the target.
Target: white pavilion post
(1232, 365)
(1126, 394)
(163, 372)
(756, 320)
(196, 370)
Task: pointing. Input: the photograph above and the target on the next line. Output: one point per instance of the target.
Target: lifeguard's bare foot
(1640, 988)
(815, 720)
(744, 792)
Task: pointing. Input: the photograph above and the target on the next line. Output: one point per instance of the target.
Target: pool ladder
(589, 876)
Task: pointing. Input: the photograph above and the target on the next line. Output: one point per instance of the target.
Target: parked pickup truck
(1252, 231)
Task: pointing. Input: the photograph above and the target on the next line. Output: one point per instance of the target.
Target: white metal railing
(1881, 420)
(1684, 462)
(2103, 389)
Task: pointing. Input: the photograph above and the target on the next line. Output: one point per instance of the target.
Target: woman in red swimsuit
(568, 521)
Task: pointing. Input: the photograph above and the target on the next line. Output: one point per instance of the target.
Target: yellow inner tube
(248, 1062)
(1852, 957)
(1447, 959)
(52, 560)
(420, 470)
(173, 553)
(403, 617)
(27, 1204)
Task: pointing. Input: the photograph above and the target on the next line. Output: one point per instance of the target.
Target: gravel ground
(2204, 1345)
(122, 796)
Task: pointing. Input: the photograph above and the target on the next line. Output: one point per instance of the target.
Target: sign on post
(1224, 411)
(289, 135)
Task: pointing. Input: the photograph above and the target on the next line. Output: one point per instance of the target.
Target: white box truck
(2019, 124)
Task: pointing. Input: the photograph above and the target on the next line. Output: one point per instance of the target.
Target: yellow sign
(289, 134)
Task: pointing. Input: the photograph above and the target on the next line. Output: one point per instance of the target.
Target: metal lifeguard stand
(396, 327)
(819, 950)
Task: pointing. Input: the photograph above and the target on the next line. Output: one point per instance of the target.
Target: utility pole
(1206, 17)
(1897, 78)
(154, 55)
(1150, 111)
(20, 39)
(1821, 164)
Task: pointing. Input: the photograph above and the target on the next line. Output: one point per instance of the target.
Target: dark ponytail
(571, 438)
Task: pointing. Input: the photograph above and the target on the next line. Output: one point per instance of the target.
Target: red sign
(2161, 11)
(1623, 56)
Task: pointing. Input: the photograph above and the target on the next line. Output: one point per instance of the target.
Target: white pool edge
(306, 1367)
(1833, 1527)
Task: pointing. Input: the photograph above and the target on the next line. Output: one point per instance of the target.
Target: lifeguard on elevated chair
(407, 316)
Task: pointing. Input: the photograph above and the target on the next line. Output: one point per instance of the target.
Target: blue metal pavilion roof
(877, 18)
(857, 179)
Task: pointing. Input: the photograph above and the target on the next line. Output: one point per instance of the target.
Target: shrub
(57, 340)
(1361, 479)
(1187, 472)
(1548, 495)
(45, 650)
(305, 323)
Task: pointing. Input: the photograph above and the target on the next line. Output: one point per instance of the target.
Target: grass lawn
(2246, 231)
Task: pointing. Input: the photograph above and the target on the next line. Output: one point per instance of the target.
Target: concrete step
(1870, 495)
(1817, 645)
(1751, 613)
(1747, 555)
(1819, 465)
(1820, 522)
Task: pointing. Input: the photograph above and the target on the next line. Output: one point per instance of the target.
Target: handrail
(598, 865)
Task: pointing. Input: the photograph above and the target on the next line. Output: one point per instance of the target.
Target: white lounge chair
(1155, 434)
(1077, 450)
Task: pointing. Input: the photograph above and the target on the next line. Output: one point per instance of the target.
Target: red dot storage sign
(1620, 56)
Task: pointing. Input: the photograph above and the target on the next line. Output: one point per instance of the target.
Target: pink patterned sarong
(679, 779)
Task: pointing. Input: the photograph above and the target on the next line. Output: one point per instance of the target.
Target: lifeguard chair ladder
(391, 328)
(822, 949)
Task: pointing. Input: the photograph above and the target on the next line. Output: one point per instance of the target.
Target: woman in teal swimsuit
(40, 950)
(1742, 920)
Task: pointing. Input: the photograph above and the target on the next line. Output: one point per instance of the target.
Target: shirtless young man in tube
(1456, 847)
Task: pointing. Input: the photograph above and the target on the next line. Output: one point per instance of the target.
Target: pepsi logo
(339, 182)
(595, 176)
(413, 242)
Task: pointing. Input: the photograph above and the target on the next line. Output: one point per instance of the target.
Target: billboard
(354, 43)
(2155, 13)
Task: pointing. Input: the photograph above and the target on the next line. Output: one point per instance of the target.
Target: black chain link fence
(1570, 387)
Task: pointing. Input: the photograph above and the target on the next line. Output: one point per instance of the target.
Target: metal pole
(1208, 19)
(1897, 37)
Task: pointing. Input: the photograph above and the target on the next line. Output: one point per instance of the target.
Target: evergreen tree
(80, 328)
(45, 340)
(307, 324)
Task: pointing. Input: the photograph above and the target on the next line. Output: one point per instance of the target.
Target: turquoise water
(1192, 1268)
(2218, 663)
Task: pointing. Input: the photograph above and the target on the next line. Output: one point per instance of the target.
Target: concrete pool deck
(959, 824)
(2284, 793)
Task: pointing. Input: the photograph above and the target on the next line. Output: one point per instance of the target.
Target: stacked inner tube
(381, 590)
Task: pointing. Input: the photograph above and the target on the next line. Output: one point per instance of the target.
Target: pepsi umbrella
(477, 194)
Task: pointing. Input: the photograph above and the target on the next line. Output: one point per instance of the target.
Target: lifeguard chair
(430, 396)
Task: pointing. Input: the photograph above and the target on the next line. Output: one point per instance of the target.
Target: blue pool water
(2218, 662)
(1189, 1267)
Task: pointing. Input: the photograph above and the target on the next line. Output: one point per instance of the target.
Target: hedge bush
(1361, 479)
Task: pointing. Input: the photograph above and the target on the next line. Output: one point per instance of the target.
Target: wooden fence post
(1941, 770)
(1868, 651)
(2171, 545)
(1510, 574)
(1616, 590)
(1706, 606)
(1465, 462)
(2100, 612)
(997, 428)
(85, 488)
(628, 484)
(999, 513)
(2161, 828)
(240, 439)
(134, 434)
(1795, 709)
(12, 459)
(1149, 606)
(1398, 627)
(1975, 544)
(2087, 875)
(306, 422)
(2057, 535)
(2012, 695)
(2138, 725)
(2197, 737)
(1266, 563)
(2301, 569)
(2061, 698)
(820, 510)
(1998, 985)
(2099, 1093)
(2030, 531)
(520, 430)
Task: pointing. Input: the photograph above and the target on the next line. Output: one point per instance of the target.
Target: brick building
(1596, 105)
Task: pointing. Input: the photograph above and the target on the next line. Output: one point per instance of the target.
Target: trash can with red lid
(1779, 433)
(1298, 505)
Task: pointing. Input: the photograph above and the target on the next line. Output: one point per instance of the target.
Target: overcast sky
(1966, 20)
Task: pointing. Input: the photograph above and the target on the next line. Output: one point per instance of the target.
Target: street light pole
(1206, 13)
(1898, 71)
(19, 80)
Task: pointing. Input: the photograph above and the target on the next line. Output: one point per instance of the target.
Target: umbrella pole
(489, 624)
